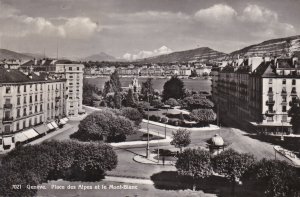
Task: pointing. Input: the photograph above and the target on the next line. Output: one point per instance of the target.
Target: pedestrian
(163, 160)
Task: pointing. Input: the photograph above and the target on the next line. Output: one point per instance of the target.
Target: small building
(216, 144)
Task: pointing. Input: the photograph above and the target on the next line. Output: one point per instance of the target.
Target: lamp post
(166, 125)
(148, 148)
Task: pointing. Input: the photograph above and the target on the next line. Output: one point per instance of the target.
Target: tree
(232, 165)
(203, 115)
(132, 114)
(130, 99)
(294, 113)
(173, 88)
(115, 82)
(277, 178)
(117, 100)
(157, 103)
(104, 123)
(181, 138)
(196, 102)
(194, 73)
(172, 102)
(195, 163)
(147, 90)
(90, 92)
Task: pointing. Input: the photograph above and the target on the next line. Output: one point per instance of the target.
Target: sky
(133, 29)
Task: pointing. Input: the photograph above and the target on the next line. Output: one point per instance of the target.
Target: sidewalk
(211, 127)
(152, 161)
(50, 135)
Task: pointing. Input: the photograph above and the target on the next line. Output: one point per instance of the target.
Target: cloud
(150, 15)
(265, 22)
(13, 24)
(216, 13)
(145, 54)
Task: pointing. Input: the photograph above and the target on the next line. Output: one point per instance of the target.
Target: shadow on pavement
(170, 180)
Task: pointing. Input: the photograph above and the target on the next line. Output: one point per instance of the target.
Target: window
(70, 68)
(18, 100)
(24, 99)
(294, 82)
(293, 89)
(24, 112)
(36, 97)
(270, 89)
(41, 97)
(30, 109)
(36, 88)
(7, 101)
(18, 113)
(283, 89)
(283, 108)
(30, 123)
(18, 126)
(7, 128)
(30, 99)
(41, 107)
(24, 124)
(284, 118)
(41, 118)
(283, 98)
(41, 87)
(24, 88)
(18, 89)
(36, 109)
(7, 91)
(78, 68)
(283, 81)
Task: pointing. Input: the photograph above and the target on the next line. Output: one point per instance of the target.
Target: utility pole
(148, 148)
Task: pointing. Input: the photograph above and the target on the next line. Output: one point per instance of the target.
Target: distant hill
(100, 57)
(7, 54)
(201, 54)
(35, 55)
(270, 47)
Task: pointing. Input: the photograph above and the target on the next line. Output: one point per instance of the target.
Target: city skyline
(136, 29)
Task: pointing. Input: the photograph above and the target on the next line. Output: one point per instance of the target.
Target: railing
(270, 93)
(270, 112)
(294, 93)
(7, 105)
(270, 102)
(7, 120)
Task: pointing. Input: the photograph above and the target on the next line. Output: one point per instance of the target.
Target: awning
(7, 141)
(41, 129)
(66, 119)
(20, 137)
(54, 124)
(62, 121)
(50, 126)
(30, 133)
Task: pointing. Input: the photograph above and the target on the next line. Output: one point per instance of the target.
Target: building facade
(258, 92)
(73, 73)
(27, 100)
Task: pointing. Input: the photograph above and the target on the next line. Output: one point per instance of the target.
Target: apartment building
(28, 100)
(258, 92)
(73, 73)
(62, 69)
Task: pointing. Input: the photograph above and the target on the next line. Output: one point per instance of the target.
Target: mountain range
(270, 47)
(100, 57)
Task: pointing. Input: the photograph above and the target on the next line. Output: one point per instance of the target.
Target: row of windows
(283, 89)
(283, 81)
(8, 89)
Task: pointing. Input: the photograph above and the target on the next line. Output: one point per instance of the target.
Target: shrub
(197, 102)
(203, 115)
(133, 115)
(104, 123)
(172, 102)
(155, 118)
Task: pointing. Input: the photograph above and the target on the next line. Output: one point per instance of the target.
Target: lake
(198, 84)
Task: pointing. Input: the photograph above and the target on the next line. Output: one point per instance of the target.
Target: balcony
(293, 93)
(270, 112)
(270, 93)
(270, 102)
(283, 93)
(7, 120)
(7, 106)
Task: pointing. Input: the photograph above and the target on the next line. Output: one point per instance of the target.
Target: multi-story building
(73, 73)
(62, 69)
(258, 92)
(28, 100)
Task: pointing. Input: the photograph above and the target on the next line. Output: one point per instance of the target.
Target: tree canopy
(294, 113)
(173, 88)
(147, 90)
(203, 115)
(181, 138)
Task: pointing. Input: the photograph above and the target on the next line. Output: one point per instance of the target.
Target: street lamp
(166, 125)
(148, 148)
